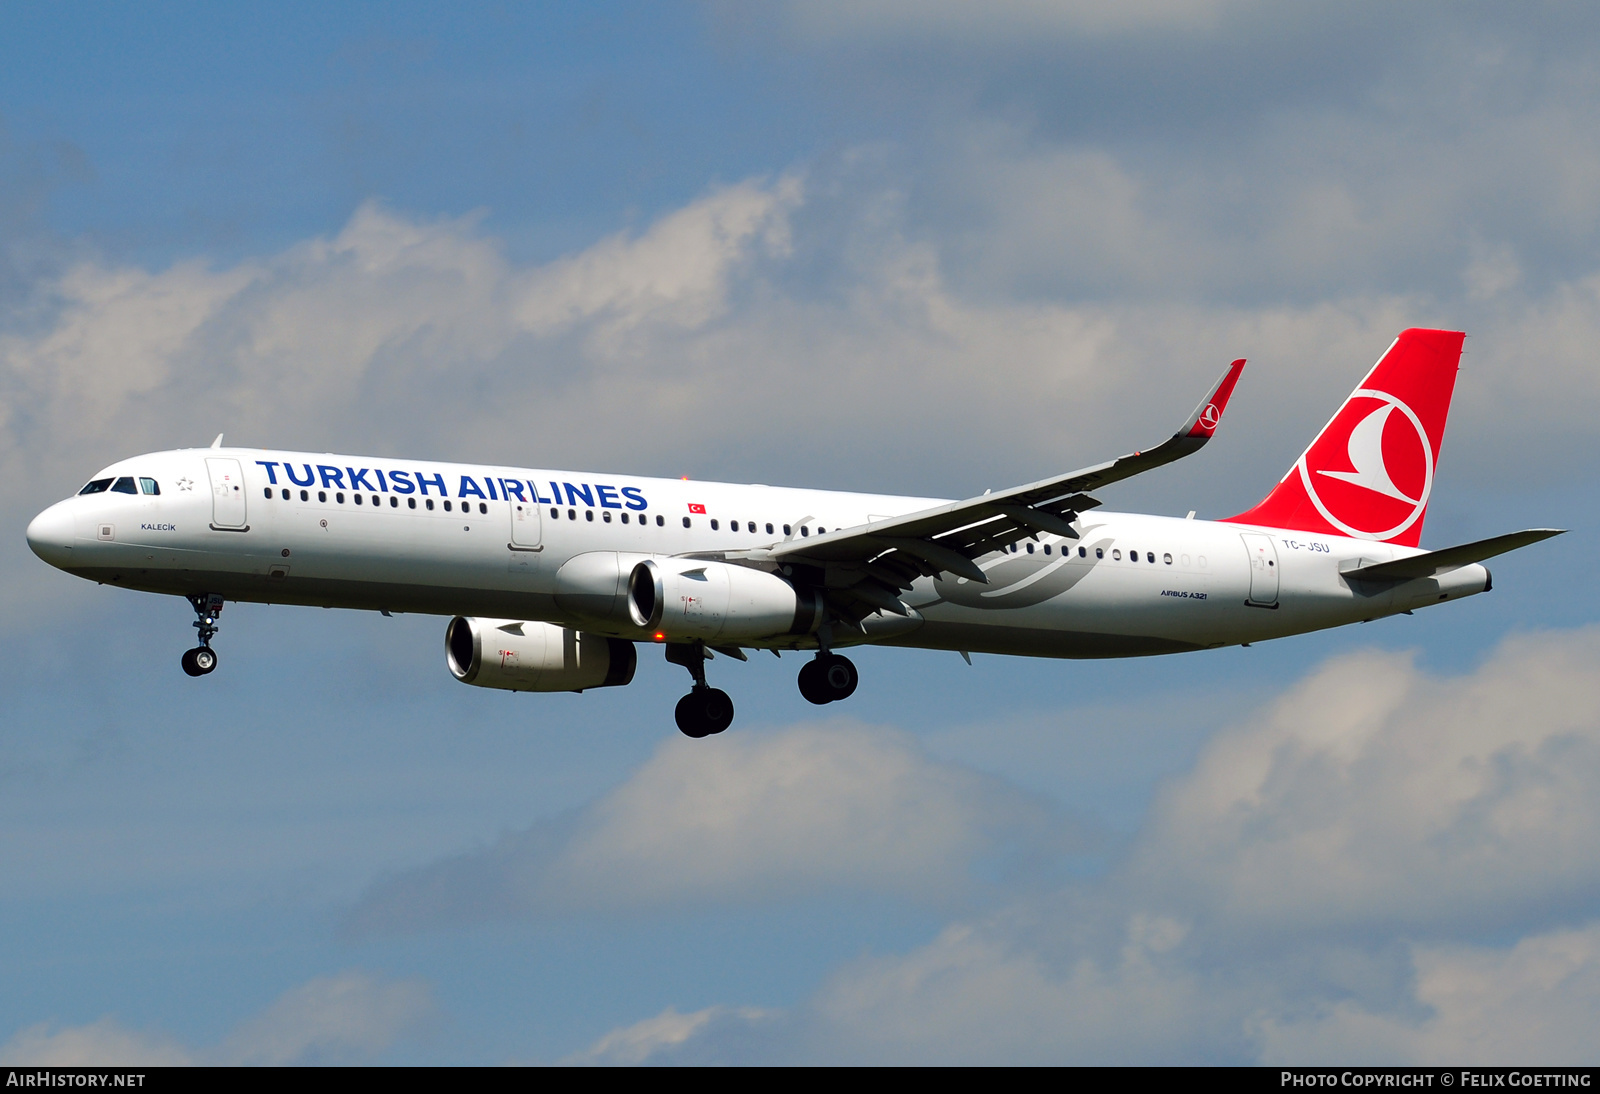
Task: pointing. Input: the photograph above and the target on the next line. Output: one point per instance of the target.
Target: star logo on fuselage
(185, 484)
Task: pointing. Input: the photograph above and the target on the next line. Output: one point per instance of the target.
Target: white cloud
(106, 1043)
(348, 1017)
(1308, 892)
(746, 818)
(654, 1038)
(1009, 21)
(983, 994)
(902, 365)
(1372, 792)
(1536, 1001)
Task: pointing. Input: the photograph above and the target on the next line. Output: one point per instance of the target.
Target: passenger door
(1263, 569)
(525, 536)
(228, 506)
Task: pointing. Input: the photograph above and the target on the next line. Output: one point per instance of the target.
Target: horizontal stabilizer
(1451, 558)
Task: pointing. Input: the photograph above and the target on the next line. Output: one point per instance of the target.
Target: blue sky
(922, 248)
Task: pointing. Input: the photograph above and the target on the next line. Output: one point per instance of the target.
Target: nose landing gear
(827, 678)
(203, 659)
(705, 710)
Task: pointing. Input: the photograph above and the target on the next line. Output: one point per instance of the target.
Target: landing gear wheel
(199, 661)
(704, 711)
(828, 678)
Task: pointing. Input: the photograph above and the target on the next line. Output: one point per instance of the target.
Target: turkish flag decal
(693, 508)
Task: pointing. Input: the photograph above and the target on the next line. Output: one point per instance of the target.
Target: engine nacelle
(519, 656)
(684, 599)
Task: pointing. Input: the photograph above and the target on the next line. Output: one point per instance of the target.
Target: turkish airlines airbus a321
(552, 578)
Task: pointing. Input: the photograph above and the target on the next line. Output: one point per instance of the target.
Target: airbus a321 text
(553, 578)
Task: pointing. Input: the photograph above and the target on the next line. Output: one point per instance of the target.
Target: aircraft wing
(872, 564)
(1431, 563)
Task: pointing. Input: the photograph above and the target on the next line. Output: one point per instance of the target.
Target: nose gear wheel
(203, 659)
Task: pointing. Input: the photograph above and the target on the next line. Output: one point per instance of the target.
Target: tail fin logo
(1210, 416)
(1374, 455)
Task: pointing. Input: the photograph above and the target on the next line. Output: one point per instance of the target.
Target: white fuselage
(457, 539)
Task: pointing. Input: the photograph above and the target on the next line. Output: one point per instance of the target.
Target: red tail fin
(1370, 471)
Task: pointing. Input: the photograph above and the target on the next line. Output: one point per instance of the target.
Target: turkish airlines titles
(377, 480)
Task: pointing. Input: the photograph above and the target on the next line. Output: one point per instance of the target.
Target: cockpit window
(150, 486)
(98, 486)
(125, 485)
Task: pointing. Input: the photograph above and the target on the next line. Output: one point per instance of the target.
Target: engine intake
(684, 599)
(521, 656)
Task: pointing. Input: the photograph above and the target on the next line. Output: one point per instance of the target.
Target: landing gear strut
(827, 678)
(705, 710)
(203, 659)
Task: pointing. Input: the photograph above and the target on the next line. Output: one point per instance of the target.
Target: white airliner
(552, 578)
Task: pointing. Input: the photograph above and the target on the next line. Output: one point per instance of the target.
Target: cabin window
(1046, 548)
(1186, 560)
(686, 522)
(769, 528)
(149, 486)
(304, 496)
(1083, 552)
(1030, 548)
(285, 493)
(411, 503)
(394, 502)
(322, 495)
(1117, 554)
(606, 516)
(428, 503)
(98, 486)
(750, 526)
(786, 530)
(1167, 558)
(356, 498)
(821, 531)
(661, 522)
(483, 507)
(625, 519)
(572, 514)
(713, 524)
(269, 493)
(1099, 552)
(588, 514)
(447, 506)
(125, 485)
(805, 531)
(1150, 557)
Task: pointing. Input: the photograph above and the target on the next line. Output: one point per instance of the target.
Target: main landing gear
(827, 678)
(705, 710)
(203, 659)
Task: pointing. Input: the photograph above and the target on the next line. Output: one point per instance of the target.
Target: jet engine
(519, 656)
(683, 599)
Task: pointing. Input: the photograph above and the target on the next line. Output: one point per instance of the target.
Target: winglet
(218, 442)
(1203, 422)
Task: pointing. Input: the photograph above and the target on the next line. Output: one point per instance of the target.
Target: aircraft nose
(50, 534)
